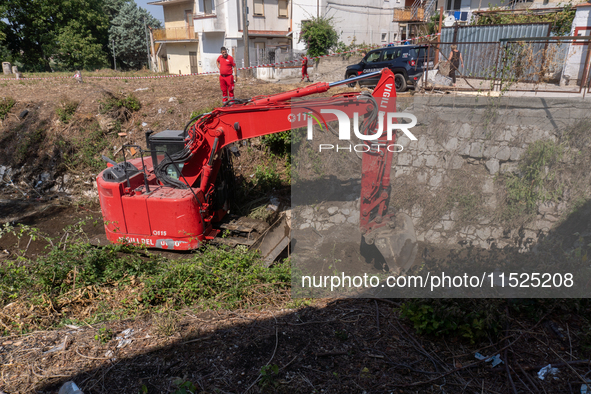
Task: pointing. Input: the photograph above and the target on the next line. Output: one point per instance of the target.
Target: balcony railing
(175, 33)
(408, 14)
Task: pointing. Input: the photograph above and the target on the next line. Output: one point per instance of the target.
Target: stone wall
(465, 148)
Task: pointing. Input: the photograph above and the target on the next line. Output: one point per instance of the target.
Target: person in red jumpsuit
(305, 69)
(225, 64)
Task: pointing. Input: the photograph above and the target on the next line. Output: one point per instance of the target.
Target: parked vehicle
(407, 62)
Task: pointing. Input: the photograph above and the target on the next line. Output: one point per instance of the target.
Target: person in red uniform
(225, 64)
(305, 69)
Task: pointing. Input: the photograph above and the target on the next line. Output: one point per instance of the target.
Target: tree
(319, 35)
(78, 48)
(112, 7)
(41, 31)
(128, 32)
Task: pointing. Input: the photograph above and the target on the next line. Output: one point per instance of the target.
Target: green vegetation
(73, 269)
(31, 140)
(353, 46)
(103, 335)
(269, 376)
(184, 387)
(128, 32)
(279, 143)
(112, 104)
(47, 35)
(84, 149)
(6, 104)
(472, 320)
(482, 320)
(319, 36)
(561, 21)
(66, 110)
(535, 181)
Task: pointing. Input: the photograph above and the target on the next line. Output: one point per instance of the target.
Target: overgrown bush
(319, 36)
(561, 21)
(73, 268)
(218, 277)
(84, 149)
(472, 320)
(66, 109)
(6, 104)
(115, 105)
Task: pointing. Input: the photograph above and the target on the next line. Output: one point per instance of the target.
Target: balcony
(175, 34)
(408, 14)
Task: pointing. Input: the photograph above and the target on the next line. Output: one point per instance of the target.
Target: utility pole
(114, 57)
(147, 44)
(154, 59)
(245, 36)
(437, 48)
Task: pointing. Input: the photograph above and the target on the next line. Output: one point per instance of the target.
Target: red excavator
(170, 199)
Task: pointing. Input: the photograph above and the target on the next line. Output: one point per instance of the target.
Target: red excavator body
(168, 200)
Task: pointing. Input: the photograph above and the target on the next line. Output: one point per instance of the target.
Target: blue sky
(155, 10)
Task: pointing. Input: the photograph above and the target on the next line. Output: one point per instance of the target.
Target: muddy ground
(289, 345)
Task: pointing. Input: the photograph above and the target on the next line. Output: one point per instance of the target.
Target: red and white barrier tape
(216, 72)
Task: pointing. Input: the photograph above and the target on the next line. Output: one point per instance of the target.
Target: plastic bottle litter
(70, 388)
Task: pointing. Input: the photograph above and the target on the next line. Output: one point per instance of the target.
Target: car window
(391, 54)
(412, 53)
(373, 57)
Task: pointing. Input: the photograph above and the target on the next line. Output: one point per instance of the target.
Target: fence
(556, 64)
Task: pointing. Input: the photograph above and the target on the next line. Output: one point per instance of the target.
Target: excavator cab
(166, 142)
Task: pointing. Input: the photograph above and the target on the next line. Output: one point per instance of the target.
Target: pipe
(354, 79)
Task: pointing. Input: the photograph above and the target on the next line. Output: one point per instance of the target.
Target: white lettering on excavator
(156, 232)
(385, 97)
(143, 241)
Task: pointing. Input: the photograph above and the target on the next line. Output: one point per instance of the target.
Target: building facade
(177, 46)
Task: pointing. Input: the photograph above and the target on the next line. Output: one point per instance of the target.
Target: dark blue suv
(407, 62)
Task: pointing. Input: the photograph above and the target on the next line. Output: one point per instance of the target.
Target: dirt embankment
(64, 132)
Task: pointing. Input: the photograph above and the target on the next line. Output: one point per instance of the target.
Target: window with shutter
(282, 8)
(259, 8)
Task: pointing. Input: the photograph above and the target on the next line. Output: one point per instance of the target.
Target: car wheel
(352, 84)
(400, 82)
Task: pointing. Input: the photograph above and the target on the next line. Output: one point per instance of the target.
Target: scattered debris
(140, 89)
(122, 134)
(144, 124)
(124, 338)
(23, 114)
(547, 370)
(496, 360)
(172, 99)
(70, 388)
